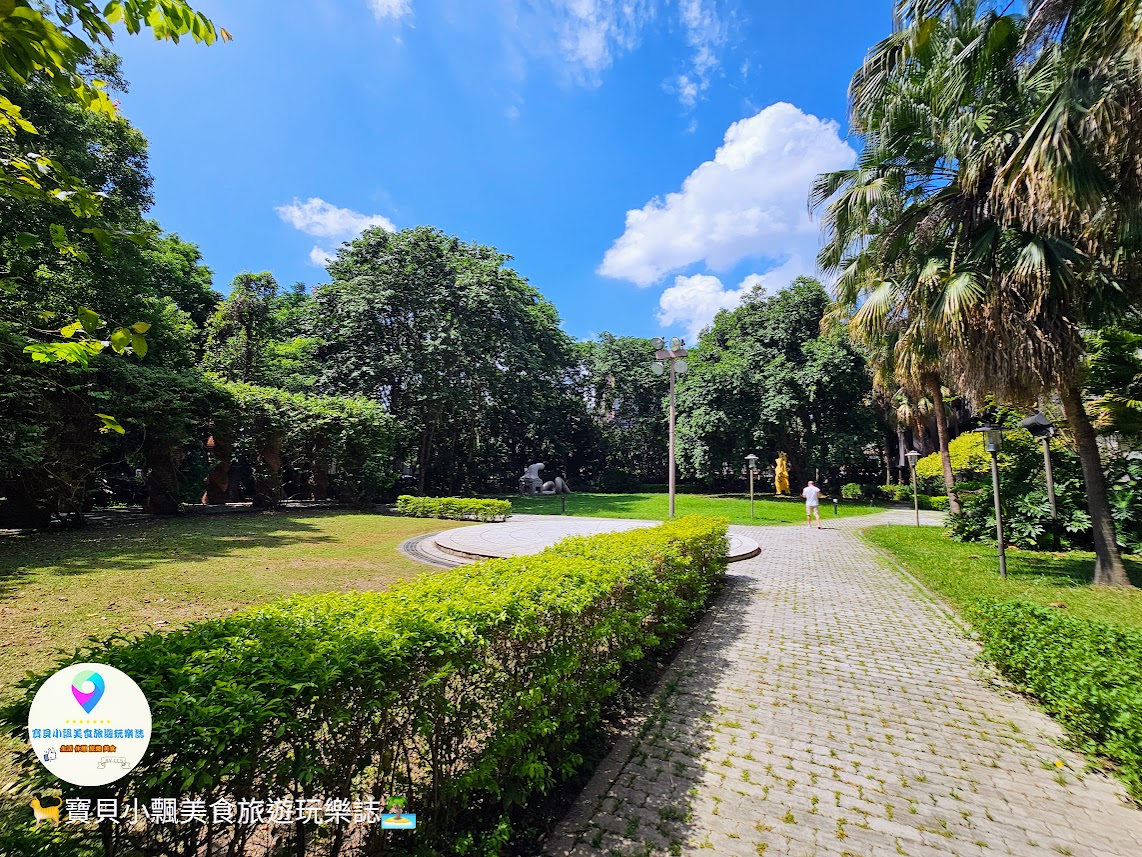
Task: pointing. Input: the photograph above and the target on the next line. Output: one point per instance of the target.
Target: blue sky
(641, 160)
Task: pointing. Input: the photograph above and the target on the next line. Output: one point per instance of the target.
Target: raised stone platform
(528, 534)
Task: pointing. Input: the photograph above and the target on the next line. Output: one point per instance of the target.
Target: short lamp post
(913, 456)
(751, 462)
(671, 358)
(1043, 429)
(993, 442)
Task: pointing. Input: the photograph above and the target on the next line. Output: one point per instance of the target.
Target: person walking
(812, 495)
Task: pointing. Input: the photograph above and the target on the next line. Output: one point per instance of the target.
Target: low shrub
(453, 508)
(897, 493)
(938, 502)
(467, 691)
(852, 491)
(1088, 674)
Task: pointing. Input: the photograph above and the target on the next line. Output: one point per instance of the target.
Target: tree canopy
(764, 379)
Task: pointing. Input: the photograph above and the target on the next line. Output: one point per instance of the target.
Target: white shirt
(812, 495)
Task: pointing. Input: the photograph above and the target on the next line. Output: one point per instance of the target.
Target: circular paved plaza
(527, 534)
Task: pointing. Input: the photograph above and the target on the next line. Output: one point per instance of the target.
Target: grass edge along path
(963, 572)
(1080, 658)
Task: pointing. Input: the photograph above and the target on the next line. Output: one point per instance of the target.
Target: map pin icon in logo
(88, 699)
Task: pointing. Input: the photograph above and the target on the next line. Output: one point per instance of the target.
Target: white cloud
(705, 34)
(394, 9)
(592, 31)
(687, 89)
(321, 257)
(692, 302)
(749, 202)
(321, 219)
(317, 217)
(580, 38)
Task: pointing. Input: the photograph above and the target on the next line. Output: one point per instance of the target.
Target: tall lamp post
(913, 456)
(672, 358)
(993, 442)
(1043, 429)
(751, 462)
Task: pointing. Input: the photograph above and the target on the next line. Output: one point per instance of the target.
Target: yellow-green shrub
(467, 690)
(1088, 674)
(454, 508)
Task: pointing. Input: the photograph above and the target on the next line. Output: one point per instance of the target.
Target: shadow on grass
(1070, 570)
(148, 545)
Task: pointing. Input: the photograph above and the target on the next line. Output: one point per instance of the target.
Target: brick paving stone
(825, 706)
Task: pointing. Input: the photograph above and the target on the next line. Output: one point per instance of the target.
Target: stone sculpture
(532, 483)
(781, 474)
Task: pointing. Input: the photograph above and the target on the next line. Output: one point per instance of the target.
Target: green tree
(626, 405)
(240, 331)
(1115, 378)
(150, 281)
(176, 270)
(460, 349)
(764, 379)
(60, 44)
(946, 106)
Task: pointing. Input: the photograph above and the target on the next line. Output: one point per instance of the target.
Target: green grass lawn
(960, 572)
(656, 507)
(58, 588)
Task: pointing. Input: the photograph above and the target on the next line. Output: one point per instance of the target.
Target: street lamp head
(751, 459)
(658, 342)
(657, 368)
(1039, 426)
(992, 437)
(680, 367)
(913, 456)
(676, 343)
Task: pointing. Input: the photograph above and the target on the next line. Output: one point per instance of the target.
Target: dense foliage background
(426, 364)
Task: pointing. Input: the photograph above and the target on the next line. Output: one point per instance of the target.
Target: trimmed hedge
(467, 690)
(935, 502)
(453, 508)
(1088, 674)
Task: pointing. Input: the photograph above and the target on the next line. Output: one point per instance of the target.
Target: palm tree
(907, 361)
(925, 229)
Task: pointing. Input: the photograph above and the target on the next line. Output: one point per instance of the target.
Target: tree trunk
(268, 477)
(319, 479)
(1108, 567)
(424, 455)
(942, 432)
(218, 479)
(162, 479)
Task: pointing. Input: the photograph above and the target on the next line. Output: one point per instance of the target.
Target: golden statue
(781, 476)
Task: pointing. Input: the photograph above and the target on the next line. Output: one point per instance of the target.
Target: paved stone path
(826, 707)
